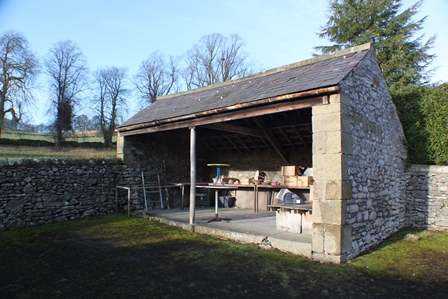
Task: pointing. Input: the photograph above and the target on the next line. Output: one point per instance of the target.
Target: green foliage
(402, 59)
(423, 112)
(435, 109)
(409, 105)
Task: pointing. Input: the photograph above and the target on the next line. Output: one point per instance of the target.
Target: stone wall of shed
(427, 197)
(376, 158)
(166, 153)
(245, 164)
(40, 191)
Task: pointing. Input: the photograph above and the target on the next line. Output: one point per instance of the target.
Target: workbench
(295, 218)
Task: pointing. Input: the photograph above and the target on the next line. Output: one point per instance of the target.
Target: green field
(14, 151)
(88, 136)
(27, 151)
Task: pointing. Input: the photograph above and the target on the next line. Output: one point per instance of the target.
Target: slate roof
(319, 72)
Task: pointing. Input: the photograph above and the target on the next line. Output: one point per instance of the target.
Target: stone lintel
(333, 107)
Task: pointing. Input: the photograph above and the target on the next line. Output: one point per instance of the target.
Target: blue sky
(124, 33)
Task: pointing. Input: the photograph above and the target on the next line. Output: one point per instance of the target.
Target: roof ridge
(355, 49)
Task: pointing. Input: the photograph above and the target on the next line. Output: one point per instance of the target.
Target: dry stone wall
(427, 197)
(376, 160)
(39, 191)
(36, 192)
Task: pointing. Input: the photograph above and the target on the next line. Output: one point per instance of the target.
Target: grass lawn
(117, 256)
(19, 151)
(88, 136)
(25, 151)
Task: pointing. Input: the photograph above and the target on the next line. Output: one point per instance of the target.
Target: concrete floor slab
(244, 226)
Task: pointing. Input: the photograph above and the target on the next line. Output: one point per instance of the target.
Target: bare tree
(111, 91)
(67, 69)
(80, 123)
(18, 69)
(156, 77)
(216, 59)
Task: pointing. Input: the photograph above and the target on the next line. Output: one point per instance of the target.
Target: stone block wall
(427, 197)
(164, 152)
(330, 237)
(358, 166)
(39, 191)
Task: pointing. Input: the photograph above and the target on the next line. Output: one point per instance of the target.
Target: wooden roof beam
(233, 144)
(242, 143)
(286, 137)
(299, 135)
(229, 116)
(274, 142)
(235, 129)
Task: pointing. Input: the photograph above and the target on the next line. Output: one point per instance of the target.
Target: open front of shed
(332, 114)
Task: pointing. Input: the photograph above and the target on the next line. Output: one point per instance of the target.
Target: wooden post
(192, 173)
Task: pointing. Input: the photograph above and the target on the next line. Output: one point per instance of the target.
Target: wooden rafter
(235, 129)
(299, 135)
(229, 116)
(274, 142)
(233, 144)
(286, 137)
(242, 142)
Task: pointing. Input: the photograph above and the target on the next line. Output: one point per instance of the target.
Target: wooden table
(271, 188)
(251, 187)
(182, 190)
(217, 188)
(303, 208)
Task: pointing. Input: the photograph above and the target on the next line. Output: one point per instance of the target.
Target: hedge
(423, 112)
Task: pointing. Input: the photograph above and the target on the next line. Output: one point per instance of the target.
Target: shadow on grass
(119, 257)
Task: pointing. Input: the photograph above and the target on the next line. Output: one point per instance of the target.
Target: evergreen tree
(403, 59)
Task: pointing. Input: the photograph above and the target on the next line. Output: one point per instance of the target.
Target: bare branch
(156, 77)
(111, 89)
(216, 59)
(67, 70)
(18, 69)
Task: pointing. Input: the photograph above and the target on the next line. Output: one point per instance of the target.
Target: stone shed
(331, 113)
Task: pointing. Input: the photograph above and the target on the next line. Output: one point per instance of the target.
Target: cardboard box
(289, 170)
(244, 181)
(304, 181)
(290, 180)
